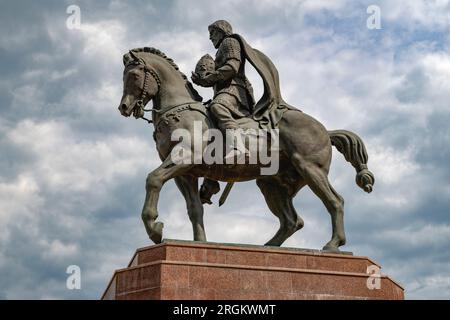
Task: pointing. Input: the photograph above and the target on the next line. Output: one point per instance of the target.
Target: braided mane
(128, 57)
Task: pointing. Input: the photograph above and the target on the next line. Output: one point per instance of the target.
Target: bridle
(149, 72)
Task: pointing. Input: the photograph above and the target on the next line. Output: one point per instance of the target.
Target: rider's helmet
(223, 26)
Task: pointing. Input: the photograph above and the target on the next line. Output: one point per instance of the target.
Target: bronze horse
(304, 144)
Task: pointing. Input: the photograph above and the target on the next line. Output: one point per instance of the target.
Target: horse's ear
(130, 57)
(133, 55)
(127, 59)
(135, 58)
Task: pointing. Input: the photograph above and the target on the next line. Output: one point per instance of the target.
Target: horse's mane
(129, 57)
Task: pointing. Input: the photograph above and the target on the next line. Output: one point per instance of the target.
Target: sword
(225, 193)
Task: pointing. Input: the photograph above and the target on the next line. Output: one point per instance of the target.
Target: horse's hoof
(156, 235)
(272, 244)
(331, 249)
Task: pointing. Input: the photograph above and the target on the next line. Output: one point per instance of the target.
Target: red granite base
(185, 270)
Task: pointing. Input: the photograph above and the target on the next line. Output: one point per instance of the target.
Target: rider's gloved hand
(208, 81)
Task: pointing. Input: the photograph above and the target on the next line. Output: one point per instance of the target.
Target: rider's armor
(231, 79)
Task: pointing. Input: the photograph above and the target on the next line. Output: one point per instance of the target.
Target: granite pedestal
(185, 270)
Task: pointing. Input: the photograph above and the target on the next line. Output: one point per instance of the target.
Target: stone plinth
(185, 270)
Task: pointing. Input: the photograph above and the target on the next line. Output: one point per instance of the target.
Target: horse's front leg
(155, 180)
(189, 188)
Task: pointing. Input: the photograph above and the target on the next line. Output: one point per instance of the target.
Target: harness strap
(194, 105)
(197, 106)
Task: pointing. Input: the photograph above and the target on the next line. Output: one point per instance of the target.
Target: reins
(140, 103)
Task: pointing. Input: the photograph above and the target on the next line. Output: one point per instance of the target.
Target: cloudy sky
(72, 170)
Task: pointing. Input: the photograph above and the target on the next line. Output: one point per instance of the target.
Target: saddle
(244, 123)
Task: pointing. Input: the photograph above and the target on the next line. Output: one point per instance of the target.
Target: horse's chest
(170, 121)
(166, 133)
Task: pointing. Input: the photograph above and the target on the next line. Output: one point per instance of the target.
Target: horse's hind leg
(317, 179)
(188, 186)
(279, 200)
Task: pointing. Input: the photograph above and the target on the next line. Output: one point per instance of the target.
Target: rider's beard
(217, 43)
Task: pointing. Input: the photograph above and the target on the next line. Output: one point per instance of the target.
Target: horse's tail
(354, 151)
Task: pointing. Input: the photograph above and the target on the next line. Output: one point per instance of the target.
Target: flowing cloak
(269, 110)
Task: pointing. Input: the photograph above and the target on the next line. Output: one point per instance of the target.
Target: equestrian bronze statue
(303, 144)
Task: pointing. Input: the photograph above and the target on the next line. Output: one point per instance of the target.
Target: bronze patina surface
(304, 143)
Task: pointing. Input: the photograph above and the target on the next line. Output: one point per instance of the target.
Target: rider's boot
(208, 189)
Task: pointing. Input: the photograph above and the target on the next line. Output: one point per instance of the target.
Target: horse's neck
(170, 95)
(173, 89)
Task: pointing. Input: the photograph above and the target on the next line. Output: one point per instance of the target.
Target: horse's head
(140, 85)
